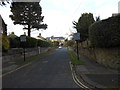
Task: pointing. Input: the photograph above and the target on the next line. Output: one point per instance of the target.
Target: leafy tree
(82, 26)
(28, 14)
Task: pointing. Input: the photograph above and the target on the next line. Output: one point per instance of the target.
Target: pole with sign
(76, 37)
(23, 40)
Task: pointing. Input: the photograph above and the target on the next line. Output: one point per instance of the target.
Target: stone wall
(17, 54)
(107, 57)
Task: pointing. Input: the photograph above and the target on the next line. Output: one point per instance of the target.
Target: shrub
(14, 42)
(105, 33)
(70, 43)
(30, 42)
(5, 42)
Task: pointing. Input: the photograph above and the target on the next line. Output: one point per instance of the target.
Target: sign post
(23, 40)
(76, 37)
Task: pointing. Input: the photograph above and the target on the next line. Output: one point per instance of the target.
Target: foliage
(55, 43)
(82, 26)
(105, 33)
(25, 13)
(4, 2)
(5, 42)
(70, 43)
(43, 43)
(14, 42)
(32, 42)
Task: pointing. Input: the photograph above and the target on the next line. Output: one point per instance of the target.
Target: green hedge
(14, 42)
(30, 42)
(105, 33)
(43, 43)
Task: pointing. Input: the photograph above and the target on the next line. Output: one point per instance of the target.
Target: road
(52, 71)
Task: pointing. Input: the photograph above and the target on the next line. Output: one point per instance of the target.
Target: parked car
(60, 47)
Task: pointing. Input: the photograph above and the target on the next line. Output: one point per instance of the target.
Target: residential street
(52, 71)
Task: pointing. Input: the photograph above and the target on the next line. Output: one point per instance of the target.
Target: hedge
(14, 42)
(105, 33)
(30, 42)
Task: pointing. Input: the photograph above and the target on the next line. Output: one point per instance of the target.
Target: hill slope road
(52, 71)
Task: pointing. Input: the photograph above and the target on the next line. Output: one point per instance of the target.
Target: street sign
(76, 36)
(23, 38)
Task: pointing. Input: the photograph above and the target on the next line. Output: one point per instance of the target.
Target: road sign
(23, 38)
(76, 36)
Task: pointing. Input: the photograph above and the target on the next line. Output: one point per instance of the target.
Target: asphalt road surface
(52, 71)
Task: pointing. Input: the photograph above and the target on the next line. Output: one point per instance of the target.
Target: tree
(98, 18)
(82, 26)
(3, 2)
(28, 14)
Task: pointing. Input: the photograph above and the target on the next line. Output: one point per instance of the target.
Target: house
(58, 39)
(3, 26)
(40, 37)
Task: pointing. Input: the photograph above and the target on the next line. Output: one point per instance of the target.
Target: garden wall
(107, 57)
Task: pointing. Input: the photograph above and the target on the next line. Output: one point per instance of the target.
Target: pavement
(97, 76)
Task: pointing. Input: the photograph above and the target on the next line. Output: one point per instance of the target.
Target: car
(60, 47)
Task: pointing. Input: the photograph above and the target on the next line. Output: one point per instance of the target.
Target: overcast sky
(59, 15)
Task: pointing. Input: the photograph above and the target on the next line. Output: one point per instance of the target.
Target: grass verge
(74, 59)
(36, 57)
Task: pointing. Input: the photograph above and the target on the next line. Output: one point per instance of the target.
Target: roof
(55, 38)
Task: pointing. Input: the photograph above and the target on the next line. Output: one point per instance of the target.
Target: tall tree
(83, 24)
(3, 2)
(28, 14)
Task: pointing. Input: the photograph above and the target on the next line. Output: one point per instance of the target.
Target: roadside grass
(34, 58)
(74, 59)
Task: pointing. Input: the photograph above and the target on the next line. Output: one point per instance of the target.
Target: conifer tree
(28, 14)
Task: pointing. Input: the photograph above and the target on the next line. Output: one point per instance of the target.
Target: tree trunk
(29, 31)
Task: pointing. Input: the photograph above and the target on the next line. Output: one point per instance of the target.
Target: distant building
(40, 37)
(58, 39)
(12, 35)
(3, 26)
(115, 14)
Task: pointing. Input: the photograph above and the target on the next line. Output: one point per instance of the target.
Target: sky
(59, 15)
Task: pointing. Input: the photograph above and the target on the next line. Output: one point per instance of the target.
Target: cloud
(59, 14)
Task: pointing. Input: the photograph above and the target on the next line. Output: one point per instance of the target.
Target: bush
(5, 42)
(70, 43)
(30, 42)
(43, 43)
(105, 33)
(14, 42)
